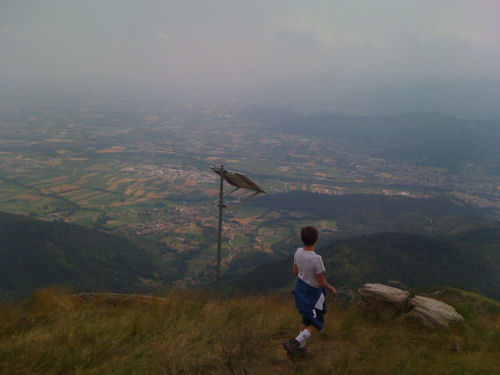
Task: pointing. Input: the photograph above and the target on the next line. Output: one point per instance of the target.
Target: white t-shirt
(309, 264)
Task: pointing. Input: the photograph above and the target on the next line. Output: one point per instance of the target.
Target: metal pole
(219, 229)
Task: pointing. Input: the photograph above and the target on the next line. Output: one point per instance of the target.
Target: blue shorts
(316, 322)
(307, 301)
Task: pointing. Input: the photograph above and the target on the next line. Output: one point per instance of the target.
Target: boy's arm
(295, 270)
(323, 283)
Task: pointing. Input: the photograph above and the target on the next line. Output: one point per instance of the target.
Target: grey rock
(384, 293)
(433, 313)
(385, 301)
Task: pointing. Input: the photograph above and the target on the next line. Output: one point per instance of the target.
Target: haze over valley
(137, 165)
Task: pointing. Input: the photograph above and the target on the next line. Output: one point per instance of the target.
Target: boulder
(385, 301)
(433, 313)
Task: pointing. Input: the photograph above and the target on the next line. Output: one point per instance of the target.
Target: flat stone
(384, 293)
(385, 301)
(433, 313)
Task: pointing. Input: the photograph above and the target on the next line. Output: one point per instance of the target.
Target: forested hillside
(37, 253)
(370, 213)
(412, 259)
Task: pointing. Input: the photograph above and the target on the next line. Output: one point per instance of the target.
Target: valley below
(139, 168)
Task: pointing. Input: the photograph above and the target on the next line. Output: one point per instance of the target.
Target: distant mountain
(420, 138)
(415, 260)
(36, 253)
(471, 98)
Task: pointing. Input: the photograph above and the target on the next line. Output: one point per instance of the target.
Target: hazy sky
(246, 44)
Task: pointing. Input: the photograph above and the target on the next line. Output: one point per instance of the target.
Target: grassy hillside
(191, 334)
(36, 253)
(466, 261)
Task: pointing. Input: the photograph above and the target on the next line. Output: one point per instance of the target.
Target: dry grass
(187, 333)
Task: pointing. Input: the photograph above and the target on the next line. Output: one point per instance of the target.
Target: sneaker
(303, 354)
(291, 348)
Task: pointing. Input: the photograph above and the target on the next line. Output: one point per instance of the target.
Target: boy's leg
(305, 323)
(293, 346)
(305, 334)
(303, 326)
(296, 348)
(312, 329)
(297, 345)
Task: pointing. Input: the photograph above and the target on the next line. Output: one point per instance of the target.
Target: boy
(309, 292)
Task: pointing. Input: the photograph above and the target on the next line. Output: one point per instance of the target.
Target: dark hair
(309, 235)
